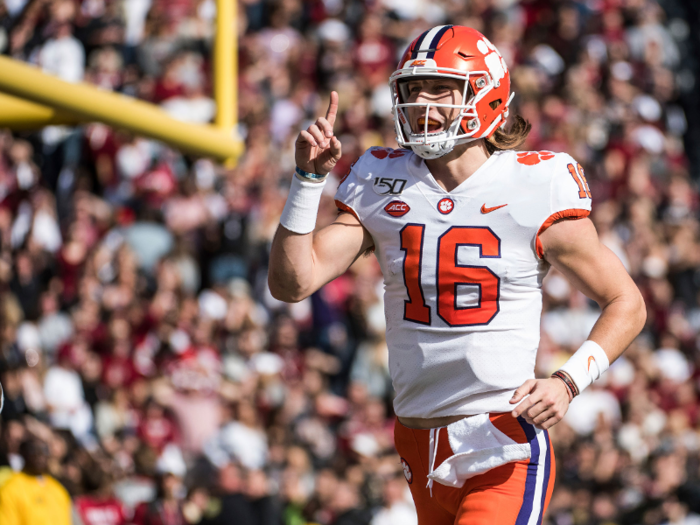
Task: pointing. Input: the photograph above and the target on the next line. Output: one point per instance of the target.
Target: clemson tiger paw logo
(530, 158)
(382, 153)
(445, 206)
(408, 474)
(493, 59)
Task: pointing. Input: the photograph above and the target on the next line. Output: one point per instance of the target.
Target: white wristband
(301, 208)
(586, 365)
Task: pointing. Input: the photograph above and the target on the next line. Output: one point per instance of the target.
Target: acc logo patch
(445, 206)
(408, 474)
(397, 208)
(530, 158)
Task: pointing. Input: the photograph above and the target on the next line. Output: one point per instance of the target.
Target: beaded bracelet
(314, 177)
(568, 382)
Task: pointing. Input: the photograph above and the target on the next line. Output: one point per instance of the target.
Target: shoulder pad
(377, 159)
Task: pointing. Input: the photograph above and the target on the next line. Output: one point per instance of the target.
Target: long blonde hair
(512, 138)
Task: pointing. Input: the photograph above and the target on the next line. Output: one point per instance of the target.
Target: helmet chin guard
(434, 145)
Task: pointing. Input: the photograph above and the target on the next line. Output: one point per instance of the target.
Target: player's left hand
(546, 404)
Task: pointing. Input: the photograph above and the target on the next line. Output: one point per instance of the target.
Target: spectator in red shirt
(156, 429)
(373, 53)
(117, 367)
(101, 507)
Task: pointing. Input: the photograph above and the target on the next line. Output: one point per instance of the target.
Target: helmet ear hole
(495, 103)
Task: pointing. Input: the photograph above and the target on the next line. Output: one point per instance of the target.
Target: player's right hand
(317, 148)
(542, 402)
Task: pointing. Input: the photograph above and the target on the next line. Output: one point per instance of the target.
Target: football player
(465, 229)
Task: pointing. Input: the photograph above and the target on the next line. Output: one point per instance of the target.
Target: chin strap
(507, 111)
(439, 149)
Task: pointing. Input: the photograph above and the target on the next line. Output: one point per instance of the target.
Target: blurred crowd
(148, 369)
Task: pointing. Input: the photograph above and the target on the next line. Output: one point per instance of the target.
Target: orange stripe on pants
(492, 498)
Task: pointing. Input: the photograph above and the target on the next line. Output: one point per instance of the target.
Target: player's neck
(457, 166)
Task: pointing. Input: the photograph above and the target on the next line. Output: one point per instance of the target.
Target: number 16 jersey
(462, 271)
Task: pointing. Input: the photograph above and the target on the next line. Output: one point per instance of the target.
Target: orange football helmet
(453, 52)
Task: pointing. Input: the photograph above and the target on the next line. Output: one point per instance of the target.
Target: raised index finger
(332, 108)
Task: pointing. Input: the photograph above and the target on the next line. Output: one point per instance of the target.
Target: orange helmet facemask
(452, 52)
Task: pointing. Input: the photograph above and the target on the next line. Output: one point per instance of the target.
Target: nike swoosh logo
(484, 209)
(590, 358)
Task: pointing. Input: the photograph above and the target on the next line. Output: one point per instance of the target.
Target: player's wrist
(308, 176)
(301, 208)
(563, 378)
(587, 364)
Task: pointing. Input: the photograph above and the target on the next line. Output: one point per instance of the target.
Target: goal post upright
(32, 99)
(225, 56)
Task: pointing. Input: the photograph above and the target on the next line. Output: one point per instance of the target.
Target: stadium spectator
(133, 307)
(101, 507)
(32, 495)
(166, 509)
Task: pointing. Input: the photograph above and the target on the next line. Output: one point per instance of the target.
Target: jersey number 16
(450, 274)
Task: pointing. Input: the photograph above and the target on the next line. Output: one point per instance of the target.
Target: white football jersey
(462, 271)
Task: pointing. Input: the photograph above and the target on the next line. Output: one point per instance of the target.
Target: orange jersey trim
(573, 214)
(346, 208)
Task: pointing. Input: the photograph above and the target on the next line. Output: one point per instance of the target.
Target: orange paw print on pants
(530, 158)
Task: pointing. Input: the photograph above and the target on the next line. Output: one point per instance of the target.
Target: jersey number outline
(580, 178)
(450, 274)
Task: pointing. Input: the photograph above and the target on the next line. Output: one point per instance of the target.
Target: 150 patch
(389, 186)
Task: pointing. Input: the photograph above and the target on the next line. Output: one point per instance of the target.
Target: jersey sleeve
(346, 195)
(569, 195)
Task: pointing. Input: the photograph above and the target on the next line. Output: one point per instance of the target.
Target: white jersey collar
(421, 173)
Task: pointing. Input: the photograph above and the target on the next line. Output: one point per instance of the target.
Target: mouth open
(433, 125)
